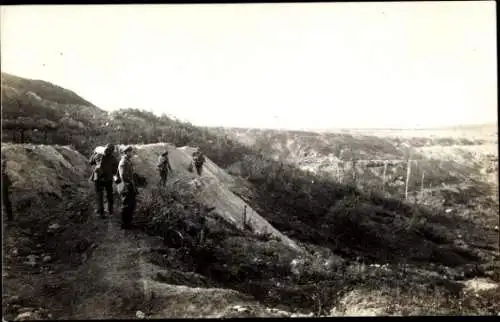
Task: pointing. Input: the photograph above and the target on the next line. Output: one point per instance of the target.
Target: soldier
(105, 168)
(164, 167)
(198, 160)
(6, 183)
(127, 187)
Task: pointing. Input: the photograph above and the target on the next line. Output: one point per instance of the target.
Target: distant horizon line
(447, 127)
(175, 118)
(434, 128)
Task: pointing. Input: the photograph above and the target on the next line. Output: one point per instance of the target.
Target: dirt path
(112, 276)
(118, 280)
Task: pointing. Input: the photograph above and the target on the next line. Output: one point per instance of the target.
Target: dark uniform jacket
(198, 158)
(164, 164)
(105, 166)
(126, 172)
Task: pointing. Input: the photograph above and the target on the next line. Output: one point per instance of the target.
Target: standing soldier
(105, 167)
(6, 183)
(198, 160)
(127, 187)
(164, 167)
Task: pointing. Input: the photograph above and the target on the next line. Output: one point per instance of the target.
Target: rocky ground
(62, 262)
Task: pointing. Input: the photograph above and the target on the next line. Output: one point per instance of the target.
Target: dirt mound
(211, 189)
(50, 234)
(44, 175)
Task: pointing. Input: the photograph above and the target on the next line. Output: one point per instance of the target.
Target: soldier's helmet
(110, 147)
(126, 148)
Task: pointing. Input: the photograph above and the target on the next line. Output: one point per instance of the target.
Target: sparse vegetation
(340, 196)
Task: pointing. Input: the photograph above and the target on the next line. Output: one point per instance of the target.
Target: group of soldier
(106, 171)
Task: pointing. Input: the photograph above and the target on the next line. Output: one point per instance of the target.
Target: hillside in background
(35, 111)
(355, 144)
(16, 86)
(380, 159)
(40, 112)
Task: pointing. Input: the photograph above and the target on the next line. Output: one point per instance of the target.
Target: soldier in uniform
(6, 183)
(105, 167)
(127, 187)
(164, 167)
(198, 160)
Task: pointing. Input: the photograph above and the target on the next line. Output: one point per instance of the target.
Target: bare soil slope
(212, 188)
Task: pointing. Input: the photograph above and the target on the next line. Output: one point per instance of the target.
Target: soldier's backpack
(97, 157)
(162, 163)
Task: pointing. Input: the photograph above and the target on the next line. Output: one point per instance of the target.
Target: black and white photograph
(249, 160)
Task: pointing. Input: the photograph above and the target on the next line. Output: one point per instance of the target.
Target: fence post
(383, 176)
(422, 186)
(408, 174)
(341, 171)
(244, 217)
(354, 170)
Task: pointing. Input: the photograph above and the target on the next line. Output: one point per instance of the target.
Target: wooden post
(408, 174)
(383, 176)
(244, 217)
(422, 186)
(354, 170)
(341, 171)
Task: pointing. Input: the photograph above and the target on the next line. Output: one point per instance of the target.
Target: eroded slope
(210, 189)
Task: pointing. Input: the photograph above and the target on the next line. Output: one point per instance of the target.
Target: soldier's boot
(163, 178)
(126, 222)
(110, 198)
(99, 189)
(110, 208)
(99, 212)
(128, 205)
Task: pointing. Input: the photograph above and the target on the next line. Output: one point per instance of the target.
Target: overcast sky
(300, 66)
